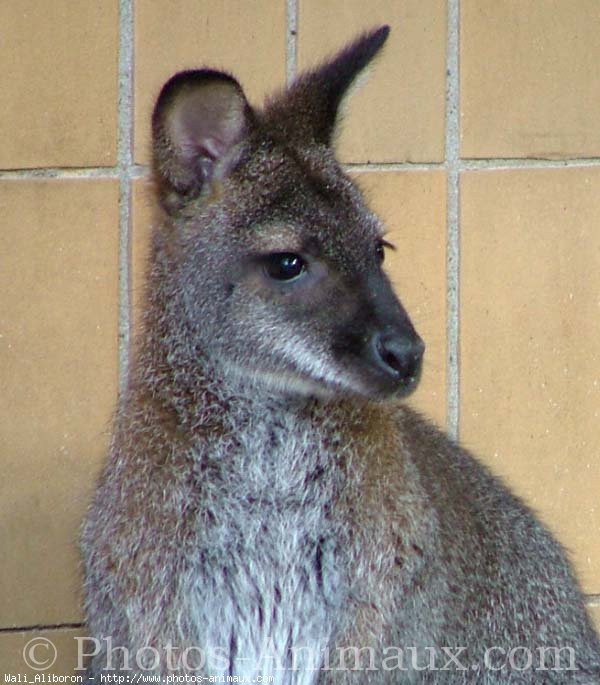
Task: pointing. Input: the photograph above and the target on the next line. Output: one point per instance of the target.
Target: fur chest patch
(269, 578)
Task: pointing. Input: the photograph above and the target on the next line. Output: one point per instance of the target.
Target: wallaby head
(273, 253)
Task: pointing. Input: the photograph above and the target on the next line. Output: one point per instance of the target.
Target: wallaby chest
(271, 571)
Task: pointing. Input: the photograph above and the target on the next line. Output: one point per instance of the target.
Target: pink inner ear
(209, 121)
(208, 150)
(210, 146)
(214, 147)
(204, 123)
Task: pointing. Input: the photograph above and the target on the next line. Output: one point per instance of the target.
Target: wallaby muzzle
(389, 349)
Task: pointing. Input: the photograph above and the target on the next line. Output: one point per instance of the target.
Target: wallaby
(270, 507)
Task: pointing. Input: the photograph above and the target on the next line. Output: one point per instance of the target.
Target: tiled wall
(477, 139)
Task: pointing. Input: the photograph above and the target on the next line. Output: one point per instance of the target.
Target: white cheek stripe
(321, 378)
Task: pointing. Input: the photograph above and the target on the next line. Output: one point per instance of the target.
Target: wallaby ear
(307, 112)
(198, 118)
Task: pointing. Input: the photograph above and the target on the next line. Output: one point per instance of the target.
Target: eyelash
(382, 246)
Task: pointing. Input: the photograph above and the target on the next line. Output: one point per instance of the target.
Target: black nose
(399, 356)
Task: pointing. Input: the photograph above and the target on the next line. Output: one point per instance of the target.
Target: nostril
(399, 356)
(388, 357)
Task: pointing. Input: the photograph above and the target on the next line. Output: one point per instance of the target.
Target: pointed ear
(198, 118)
(307, 112)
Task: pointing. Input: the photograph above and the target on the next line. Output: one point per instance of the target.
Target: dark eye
(381, 248)
(284, 266)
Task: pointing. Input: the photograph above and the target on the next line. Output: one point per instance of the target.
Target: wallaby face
(269, 506)
(286, 279)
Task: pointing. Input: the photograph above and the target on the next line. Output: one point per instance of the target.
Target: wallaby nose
(400, 357)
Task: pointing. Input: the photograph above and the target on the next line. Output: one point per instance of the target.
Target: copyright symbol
(39, 654)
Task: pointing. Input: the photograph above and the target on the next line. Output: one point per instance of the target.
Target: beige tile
(529, 78)
(58, 364)
(42, 654)
(58, 83)
(530, 343)
(413, 208)
(398, 115)
(244, 38)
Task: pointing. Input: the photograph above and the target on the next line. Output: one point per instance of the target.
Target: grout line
(453, 167)
(527, 163)
(291, 40)
(125, 162)
(140, 170)
(59, 172)
(39, 628)
(395, 166)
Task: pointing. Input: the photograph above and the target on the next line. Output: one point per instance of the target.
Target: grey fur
(267, 498)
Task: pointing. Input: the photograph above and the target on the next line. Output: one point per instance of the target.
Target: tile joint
(125, 167)
(59, 173)
(501, 163)
(291, 39)
(453, 168)
(37, 628)
(489, 164)
(393, 166)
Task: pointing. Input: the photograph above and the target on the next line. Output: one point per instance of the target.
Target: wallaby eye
(381, 248)
(284, 266)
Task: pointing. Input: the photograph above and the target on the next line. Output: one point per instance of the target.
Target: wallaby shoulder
(496, 570)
